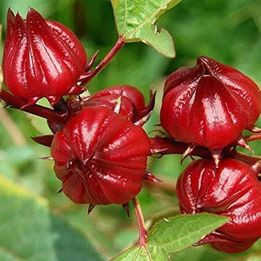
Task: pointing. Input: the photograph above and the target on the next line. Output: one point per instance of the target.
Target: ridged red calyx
(231, 190)
(100, 157)
(41, 58)
(131, 100)
(209, 104)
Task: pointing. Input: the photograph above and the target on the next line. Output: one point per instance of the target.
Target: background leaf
(135, 20)
(172, 235)
(28, 231)
(70, 244)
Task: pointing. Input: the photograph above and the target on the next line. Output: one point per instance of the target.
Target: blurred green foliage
(229, 31)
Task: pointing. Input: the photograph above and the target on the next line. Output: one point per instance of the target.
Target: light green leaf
(173, 235)
(135, 20)
(28, 231)
(24, 225)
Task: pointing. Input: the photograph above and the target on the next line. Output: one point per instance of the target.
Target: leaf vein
(161, 7)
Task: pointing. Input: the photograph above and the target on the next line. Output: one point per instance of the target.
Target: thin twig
(253, 137)
(165, 186)
(38, 110)
(106, 60)
(143, 235)
(165, 146)
(247, 159)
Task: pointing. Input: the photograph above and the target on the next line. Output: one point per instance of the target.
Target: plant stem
(164, 146)
(91, 74)
(254, 137)
(140, 221)
(38, 110)
(247, 159)
(165, 186)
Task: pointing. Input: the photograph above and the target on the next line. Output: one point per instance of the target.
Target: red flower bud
(209, 104)
(100, 157)
(231, 190)
(132, 103)
(41, 58)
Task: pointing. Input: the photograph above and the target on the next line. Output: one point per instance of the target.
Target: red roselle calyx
(131, 102)
(124, 99)
(232, 190)
(209, 104)
(100, 157)
(41, 58)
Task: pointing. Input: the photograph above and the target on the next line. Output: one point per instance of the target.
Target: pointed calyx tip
(10, 14)
(90, 209)
(126, 208)
(150, 177)
(32, 11)
(187, 153)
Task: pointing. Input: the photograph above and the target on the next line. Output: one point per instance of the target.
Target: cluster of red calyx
(209, 106)
(99, 147)
(98, 144)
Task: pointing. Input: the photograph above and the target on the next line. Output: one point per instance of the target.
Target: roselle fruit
(231, 190)
(100, 157)
(210, 104)
(41, 58)
(131, 101)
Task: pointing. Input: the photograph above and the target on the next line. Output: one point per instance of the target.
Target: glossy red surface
(100, 157)
(209, 104)
(132, 102)
(41, 58)
(232, 190)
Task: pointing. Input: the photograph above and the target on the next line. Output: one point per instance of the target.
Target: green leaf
(71, 244)
(28, 231)
(24, 225)
(173, 235)
(135, 20)
(200, 253)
